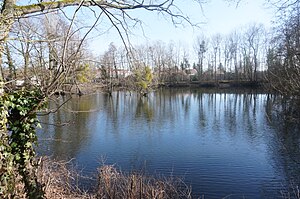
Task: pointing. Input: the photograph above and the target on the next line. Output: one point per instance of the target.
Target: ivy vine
(18, 122)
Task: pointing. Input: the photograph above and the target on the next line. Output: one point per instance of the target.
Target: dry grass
(60, 182)
(114, 184)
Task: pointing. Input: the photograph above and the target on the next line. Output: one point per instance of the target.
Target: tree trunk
(2, 72)
(11, 67)
(6, 21)
(7, 18)
(26, 65)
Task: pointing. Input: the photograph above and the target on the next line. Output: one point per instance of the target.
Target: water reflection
(221, 142)
(66, 130)
(285, 142)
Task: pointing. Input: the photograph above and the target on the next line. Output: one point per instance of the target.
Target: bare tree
(200, 47)
(10, 63)
(159, 57)
(253, 45)
(284, 58)
(216, 43)
(25, 32)
(234, 40)
(109, 68)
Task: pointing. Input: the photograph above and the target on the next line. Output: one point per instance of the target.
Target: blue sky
(216, 16)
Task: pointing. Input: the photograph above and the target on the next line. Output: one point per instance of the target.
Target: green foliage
(7, 178)
(143, 79)
(18, 122)
(83, 73)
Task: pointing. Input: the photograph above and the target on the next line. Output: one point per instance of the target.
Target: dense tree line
(250, 53)
(237, 56)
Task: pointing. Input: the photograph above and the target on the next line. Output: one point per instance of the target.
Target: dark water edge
(222, 142)
(220, 84)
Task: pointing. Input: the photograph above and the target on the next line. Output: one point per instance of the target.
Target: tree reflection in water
(283, 117)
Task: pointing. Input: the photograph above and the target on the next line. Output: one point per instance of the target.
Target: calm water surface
(220, 143)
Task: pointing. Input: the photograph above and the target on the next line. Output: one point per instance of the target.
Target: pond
(221, 143)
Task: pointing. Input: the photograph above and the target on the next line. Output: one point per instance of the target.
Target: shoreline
(90, 88)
